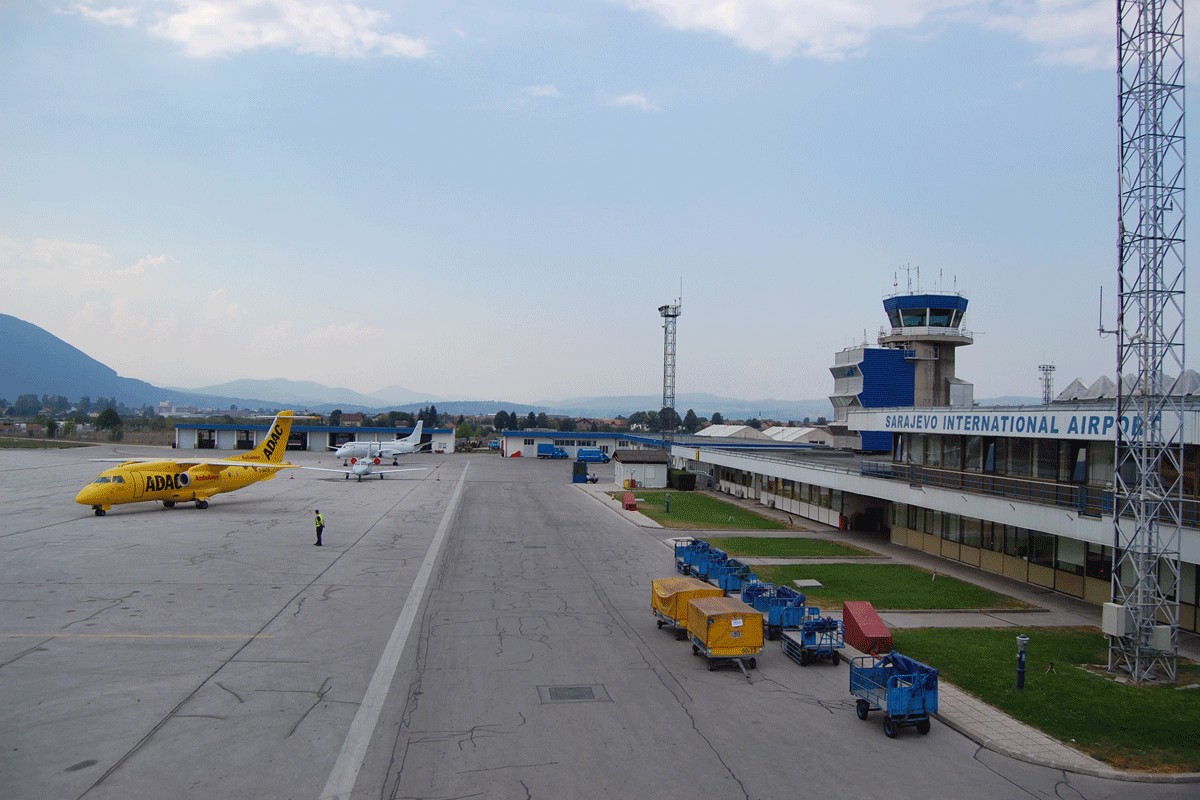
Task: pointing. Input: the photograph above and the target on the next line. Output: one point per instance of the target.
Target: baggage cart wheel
(695, 650)
(889, 728)
(804, 658)
(837, 658)
(752, 662)
(923, 727)
(712, 664)
(862, 707)
(680, 635)
(659, 622)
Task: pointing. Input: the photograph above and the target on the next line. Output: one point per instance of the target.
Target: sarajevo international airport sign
(1096, 426)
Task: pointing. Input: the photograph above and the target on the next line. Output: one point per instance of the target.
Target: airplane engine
(182, 479)
(376, 462)
(354, 461)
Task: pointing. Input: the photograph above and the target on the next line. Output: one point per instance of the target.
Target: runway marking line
(238, 636)
(354, 750)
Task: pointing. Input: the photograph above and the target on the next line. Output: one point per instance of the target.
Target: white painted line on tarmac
(354, 749)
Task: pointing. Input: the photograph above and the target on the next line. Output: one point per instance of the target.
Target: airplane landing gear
(100, 512)
(201, 504)
(168, 503)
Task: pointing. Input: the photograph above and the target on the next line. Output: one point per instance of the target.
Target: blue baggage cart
(689, 554)
(904, 689)
(783, 606)
(734, 575)
(817, 639)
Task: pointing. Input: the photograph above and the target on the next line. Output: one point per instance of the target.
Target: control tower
(930, 326)
(913, 365)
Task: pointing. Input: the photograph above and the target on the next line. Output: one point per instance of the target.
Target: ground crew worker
(320, 522)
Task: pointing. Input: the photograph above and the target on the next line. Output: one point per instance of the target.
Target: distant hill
(304, 394)
(703, 404)
(38, 362)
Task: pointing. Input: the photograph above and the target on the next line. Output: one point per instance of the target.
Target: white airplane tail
(414, 438)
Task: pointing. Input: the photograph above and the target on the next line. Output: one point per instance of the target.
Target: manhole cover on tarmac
(573, 694)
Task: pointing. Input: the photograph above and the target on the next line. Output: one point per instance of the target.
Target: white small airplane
(377, 450)
(365, 467)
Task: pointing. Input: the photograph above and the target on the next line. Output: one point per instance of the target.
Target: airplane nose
(87, 496)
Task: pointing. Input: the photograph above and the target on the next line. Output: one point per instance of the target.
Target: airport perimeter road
(478, 629)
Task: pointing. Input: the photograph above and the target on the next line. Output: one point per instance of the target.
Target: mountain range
(38, 362)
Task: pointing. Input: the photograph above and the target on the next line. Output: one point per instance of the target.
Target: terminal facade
(1024, 492)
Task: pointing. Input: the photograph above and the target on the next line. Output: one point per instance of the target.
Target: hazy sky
(492, 199)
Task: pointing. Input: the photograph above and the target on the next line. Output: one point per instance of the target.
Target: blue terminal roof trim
(238, 426)
(657, 441)
(901, 301)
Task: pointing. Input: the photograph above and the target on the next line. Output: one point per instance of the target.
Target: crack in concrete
(112, 603)
(231, 691)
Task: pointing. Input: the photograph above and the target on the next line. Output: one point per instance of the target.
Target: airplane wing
(367, 474)
(197, 462)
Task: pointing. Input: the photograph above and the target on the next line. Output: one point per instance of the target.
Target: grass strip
(786, 547)
(886, 586)
(692, 510)
(1150, 728)
(38, 444)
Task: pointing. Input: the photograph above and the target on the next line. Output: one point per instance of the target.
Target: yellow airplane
(175, 480)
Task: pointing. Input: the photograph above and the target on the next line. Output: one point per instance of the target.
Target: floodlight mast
(1047, 371)
(670, 314)
(1148, 479)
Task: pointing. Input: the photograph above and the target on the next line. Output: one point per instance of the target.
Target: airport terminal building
(1025, 492)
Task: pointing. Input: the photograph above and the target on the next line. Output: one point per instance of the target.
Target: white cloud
(542, 90)
(209, 28)
(1080, 33)
(820, 29)
(634, 100)
(1075, 32)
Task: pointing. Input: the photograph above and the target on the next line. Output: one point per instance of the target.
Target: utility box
(1114, 620)
(865, 629)
(1160, 638)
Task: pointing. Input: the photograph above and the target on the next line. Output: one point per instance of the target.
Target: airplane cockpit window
(102, 479)
(118, 479)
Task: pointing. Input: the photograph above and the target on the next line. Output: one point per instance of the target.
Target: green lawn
(886, 586)
(785, 547)
(1152, 728)
(699, 511)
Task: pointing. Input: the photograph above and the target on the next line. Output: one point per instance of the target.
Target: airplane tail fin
(415, 437)
(272, 448)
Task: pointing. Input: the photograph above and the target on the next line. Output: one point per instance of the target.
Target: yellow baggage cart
(669, 600)
(726, 631)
